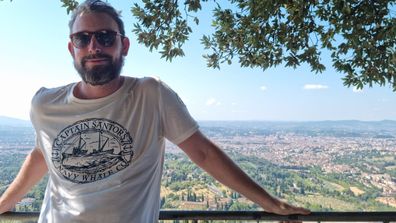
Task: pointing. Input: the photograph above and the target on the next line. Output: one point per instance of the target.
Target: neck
(87, 91)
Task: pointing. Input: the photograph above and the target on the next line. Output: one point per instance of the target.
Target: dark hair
(97, 6)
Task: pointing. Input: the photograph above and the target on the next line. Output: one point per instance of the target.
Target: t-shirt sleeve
(35, 105)
(177, 123)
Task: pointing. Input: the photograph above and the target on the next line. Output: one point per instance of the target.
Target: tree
(360, 35)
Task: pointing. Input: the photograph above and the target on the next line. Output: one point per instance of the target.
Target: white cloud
(357, 90)
(263, 88)
(315, 87)
(212, 102)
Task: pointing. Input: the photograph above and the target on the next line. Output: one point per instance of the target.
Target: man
(102, 140)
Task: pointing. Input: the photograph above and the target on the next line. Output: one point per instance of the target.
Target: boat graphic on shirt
(91, 150)
(83, 159)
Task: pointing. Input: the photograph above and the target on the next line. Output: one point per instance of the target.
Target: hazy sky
(33, 44)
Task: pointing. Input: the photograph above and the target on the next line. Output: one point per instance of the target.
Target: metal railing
(196, 216)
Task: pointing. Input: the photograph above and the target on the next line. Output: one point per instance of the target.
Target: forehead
(93, 22)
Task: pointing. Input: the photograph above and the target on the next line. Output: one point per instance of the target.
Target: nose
(93, 46)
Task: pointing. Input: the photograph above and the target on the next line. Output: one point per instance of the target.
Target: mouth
(97, 60)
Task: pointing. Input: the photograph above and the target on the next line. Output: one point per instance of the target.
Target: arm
(32, 170)
(214, 161)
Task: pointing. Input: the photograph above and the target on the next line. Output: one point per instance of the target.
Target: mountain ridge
(9, 121)
(15, 122)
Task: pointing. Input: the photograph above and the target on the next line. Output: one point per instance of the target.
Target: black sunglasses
(105, 38)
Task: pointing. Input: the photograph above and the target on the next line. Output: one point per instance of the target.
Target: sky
(33, 53)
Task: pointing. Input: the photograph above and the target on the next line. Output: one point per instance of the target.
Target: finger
(303, 211)
(290, 222)
(291, 209)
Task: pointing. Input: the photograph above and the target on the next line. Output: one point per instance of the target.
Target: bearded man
(102, 140)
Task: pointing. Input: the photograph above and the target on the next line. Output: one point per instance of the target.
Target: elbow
(200, 150)
(200, 158)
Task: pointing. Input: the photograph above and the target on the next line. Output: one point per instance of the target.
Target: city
(324, 169)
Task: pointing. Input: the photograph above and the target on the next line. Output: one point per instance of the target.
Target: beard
(100, 74)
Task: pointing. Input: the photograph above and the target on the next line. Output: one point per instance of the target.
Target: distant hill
(14, 122)
(347, 126)
(338, 124)
(384, 128)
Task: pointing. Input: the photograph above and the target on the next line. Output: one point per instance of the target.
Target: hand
(4, 208)
(283, 208)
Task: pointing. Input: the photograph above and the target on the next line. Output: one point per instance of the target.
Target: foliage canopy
(359, 34)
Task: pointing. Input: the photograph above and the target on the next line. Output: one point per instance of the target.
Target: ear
(125, 46)
(71, 48)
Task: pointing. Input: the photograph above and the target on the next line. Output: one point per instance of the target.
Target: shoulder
(51, 95)
(148, 85)
(152, 88)
(149, 82)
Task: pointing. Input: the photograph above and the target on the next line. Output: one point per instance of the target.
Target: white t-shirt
(105, 156)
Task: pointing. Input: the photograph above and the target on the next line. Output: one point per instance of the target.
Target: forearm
(223, 169)
(32, 170)
(214, 161)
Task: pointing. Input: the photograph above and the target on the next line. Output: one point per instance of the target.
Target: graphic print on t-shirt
(92, 149)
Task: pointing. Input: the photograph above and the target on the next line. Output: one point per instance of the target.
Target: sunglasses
(105, 38)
